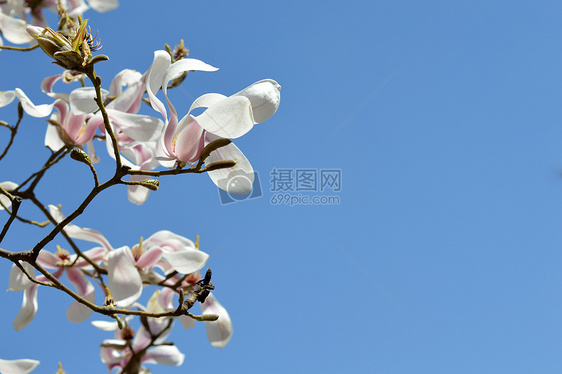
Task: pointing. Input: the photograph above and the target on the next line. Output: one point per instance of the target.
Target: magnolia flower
(225, 117)
(126, 267)
(22, 366)
(62, 262)
(117, 353)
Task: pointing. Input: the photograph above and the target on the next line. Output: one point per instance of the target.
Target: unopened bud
(81, 156)
(208, 317)
(222, 164)
(213, 146)
(151, 184)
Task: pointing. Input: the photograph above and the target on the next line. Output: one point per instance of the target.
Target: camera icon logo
(236, 181)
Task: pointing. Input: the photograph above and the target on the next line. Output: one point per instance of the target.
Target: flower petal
(219, 332)
(14, 30)
(82, 100)
(238, 179)
(137, 126)
(78, 232)
(8, 186)
(33, 110)
(22, 366)
(124, 280)
(28, 308)
(18, 280)
(265, 97)
(229, 118)
(103, 6)
(78, 312)
(6, 97)
(164, 355)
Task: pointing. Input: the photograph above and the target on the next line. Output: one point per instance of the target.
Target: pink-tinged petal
(48, 83)
(124, 280)
(165, 237)
(28, 308)
(48, 260)
(33, 110)
(166, 298)
(95, 254)
(6, 97)
(155, 79)
(265, 97)
(219, 332)
(185, 261)
(142, 339)
(137, 126)
(18, 280)
(237, 179)
(187, 322)
(78, 232)
(8, 186)
(229, 118)
(130, 100)
(78, 312)
(168, 355)
(125, 77)
(82, 100)
(188, 141)
(103, 6)
(22, 366)
(149, 258)
(14, 30)
(92, 152)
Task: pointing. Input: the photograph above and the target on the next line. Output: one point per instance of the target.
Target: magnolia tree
(82, 117)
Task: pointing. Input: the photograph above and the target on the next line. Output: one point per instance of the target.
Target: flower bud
(151, 184)
(57, 46)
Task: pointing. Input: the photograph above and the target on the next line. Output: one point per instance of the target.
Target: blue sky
(443, 254)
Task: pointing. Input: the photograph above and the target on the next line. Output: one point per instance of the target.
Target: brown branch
(13, 130)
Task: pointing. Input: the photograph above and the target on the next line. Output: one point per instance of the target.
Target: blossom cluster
(165, 259)
(139, 143)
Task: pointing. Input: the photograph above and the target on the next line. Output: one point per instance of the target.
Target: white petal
(103, 6)
(164, 355)
(18, 280)
(186, 261)
(126, 77)
(154, 79)
(106, 325)
(78, 232)
(77, 312)
(33, 110)
(219, 332)
(6, 97)
(265, 97)
(124, 280)
(82, 100)
(137, 126)
(28, 308)
(22, 366)
(238, 179)
(183, 65)
(13, 29)
(8, 186)
(229, 118)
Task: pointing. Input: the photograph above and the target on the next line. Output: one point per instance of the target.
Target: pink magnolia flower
(127, 267)
(22, 366)
(225, 117)
(117, 352)
(61, 262)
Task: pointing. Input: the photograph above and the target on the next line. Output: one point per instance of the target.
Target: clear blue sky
(451, 194)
